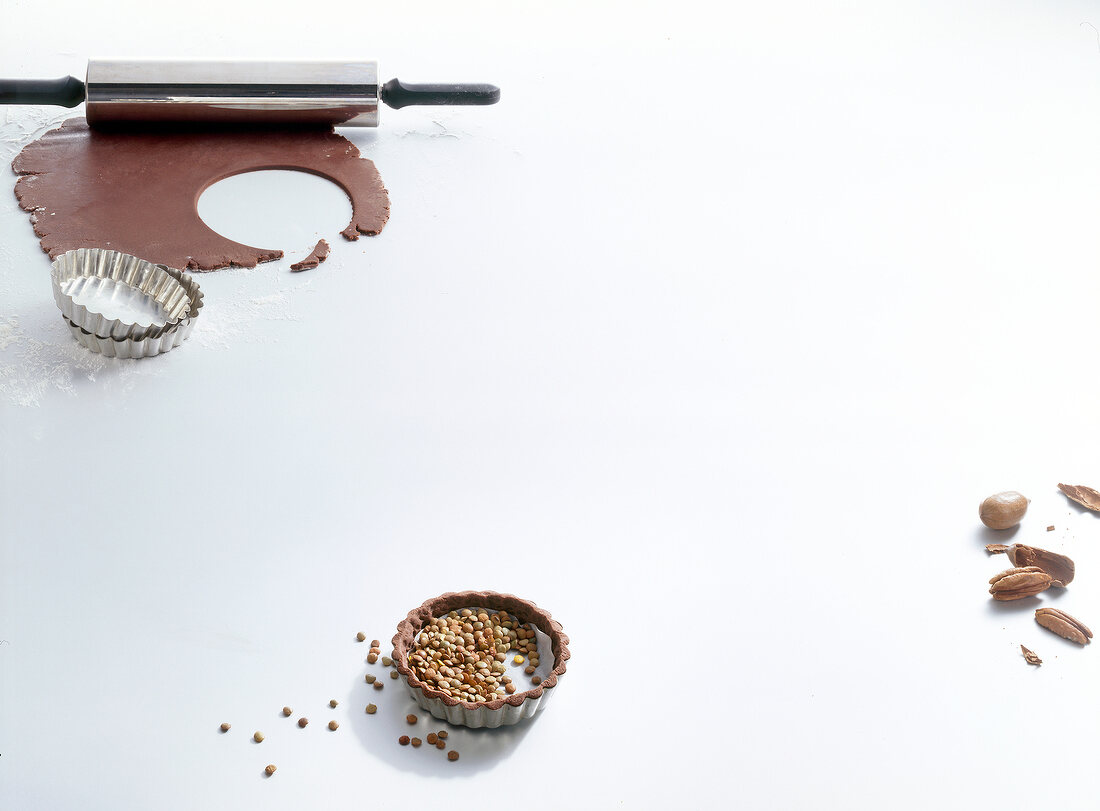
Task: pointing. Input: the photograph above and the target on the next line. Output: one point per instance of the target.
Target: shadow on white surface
(478, 749)
(986, 535)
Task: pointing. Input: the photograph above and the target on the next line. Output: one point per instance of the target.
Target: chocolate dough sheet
(138, 192)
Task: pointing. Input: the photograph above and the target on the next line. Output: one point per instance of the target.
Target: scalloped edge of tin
(503, 711)
(129, 348)
(148, 278)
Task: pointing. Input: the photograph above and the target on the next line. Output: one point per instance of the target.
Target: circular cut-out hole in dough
(276, 208)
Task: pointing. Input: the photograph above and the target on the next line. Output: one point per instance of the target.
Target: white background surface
(709, 338)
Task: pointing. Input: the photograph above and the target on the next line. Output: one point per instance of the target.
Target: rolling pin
(132, 93)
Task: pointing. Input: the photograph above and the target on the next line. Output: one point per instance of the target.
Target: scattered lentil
(370, 678)
(404, 740)
(302, 722)
(411, 719)
(536, 680)
(360, 636)
(378, 685)
(287, 711)
(333, 702)
(432, 738)
(416, 741)
(509, 688)
(387, 661)
(440, 744)
(394, 674)
(257, 736)
(371, 709)
(529, 669)
(333, 725)
(374, 643)
(270, 770)
(442, 734)
(372, 658)
(224, 727)
(452, 755)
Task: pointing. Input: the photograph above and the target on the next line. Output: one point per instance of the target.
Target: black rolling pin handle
(66, 92)
(397, 94)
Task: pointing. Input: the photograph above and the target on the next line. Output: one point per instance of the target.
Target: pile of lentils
(463, 653)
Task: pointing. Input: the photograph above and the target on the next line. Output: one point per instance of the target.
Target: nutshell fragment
(1015, 584)
(1059, 567)
(1085, 496)
(1030, 657)
(1063, 624)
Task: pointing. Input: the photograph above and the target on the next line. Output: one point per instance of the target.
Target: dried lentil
(372, 658)
(270, 770)
(378, 685)
(287, 711)
(529, 669)
(302, 722)
(333, 725)
(442, 734)
(452, 755)
(370, 678)
(536, 680)
(416, 741)
(360, 636)
(225, 727)
(394, 674)
(463, 653)
(410, 719)
(333, 702)
(432, 738)
(387, 661)
(374, 643)
(257, 736)
(440, 744)
(371, 709)
(404, 740)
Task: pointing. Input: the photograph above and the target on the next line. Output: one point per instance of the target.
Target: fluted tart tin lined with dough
(505, 710)
(162, 303)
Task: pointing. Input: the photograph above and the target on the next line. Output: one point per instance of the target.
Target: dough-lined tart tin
(503, 711)
(155, 300)
(148, 346)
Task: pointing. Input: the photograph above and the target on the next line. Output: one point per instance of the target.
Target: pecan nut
(1063, 624)
(1015, 584)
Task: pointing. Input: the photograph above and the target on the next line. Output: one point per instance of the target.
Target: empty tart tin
(503, 711)
(147, 298)
(150, 345)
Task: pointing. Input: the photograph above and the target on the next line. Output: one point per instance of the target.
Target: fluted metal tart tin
(502, 711)
(157, 298)
(148, 346)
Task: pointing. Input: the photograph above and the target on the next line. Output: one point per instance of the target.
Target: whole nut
(1063, 624)
(1015, 584)
(1003, 510)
